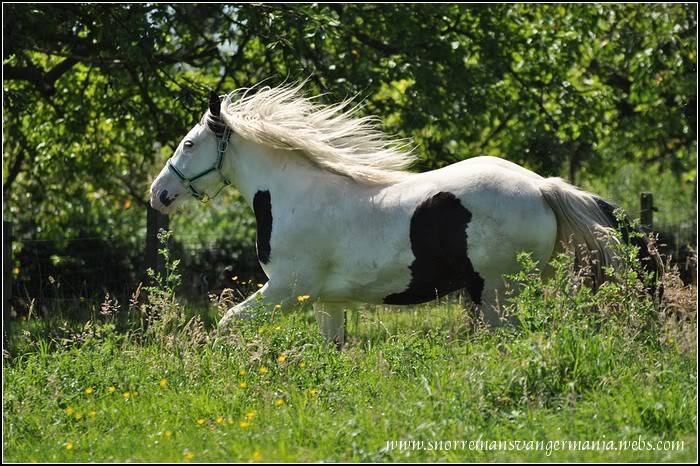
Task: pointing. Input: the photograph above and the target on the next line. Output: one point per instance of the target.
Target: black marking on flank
(164, 199)
(262, 206)
(439, 244)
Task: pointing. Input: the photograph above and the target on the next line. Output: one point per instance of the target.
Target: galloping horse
(340, 219)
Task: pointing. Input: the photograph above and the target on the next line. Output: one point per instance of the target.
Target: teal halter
(222, 146)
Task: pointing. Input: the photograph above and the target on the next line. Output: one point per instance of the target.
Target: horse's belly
(369, 278)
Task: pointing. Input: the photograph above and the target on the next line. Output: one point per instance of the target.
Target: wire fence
(69, 278)
(88, 270)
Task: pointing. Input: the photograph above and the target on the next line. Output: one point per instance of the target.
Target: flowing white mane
(331, 136)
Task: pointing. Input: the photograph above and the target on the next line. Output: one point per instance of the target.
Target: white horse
(339, 219)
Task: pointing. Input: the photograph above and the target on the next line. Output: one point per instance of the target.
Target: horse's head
(196, 168)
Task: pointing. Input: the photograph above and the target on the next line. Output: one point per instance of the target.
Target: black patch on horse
(262, 206)
(439, 244)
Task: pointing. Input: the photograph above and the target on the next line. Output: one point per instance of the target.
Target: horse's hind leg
(331, 321)
(491, 306)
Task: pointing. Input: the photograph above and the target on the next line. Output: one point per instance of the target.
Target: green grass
(581, 367)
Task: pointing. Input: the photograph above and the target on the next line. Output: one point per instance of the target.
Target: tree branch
(16, 167)
(44, 81)
(538, 101)
(13, 172)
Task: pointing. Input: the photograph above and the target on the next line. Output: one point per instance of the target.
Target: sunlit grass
(416, 375)
(581, 367)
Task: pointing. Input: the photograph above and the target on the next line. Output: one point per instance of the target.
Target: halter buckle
(223, 145)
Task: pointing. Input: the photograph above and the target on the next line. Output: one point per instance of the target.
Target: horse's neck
(260, 168)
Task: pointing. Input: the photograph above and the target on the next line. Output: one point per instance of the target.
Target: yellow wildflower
(200, 421)
(281, 358)
(303, 298)
(163, 382)
(69, 410)
(262, 370)
(69, 445)
(244, 424)
(78, 416)
(278, 307)
(279, 402)
(111, 389)
(251, 414)
(242, 372)
(243, 384)
(257, 456)
(189, 456)
(167, 434)
(219, 419)
(126, 395)
(302, 364)
(89, 391)
(313, 391)
(92, 414)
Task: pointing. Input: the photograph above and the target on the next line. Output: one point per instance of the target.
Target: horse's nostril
(164, 198)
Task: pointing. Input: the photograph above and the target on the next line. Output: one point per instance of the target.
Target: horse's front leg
(263, 300)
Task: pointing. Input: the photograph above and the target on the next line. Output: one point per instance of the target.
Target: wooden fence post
(6, 281)
(154, 222)
(647, 211)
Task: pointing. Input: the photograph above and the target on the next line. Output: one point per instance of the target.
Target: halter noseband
(222, 146)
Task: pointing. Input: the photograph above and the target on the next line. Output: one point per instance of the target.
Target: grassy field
(593, 369)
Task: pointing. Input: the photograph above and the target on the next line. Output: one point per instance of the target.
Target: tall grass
(610, 365)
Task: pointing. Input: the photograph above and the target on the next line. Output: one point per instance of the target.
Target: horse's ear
(214, 104)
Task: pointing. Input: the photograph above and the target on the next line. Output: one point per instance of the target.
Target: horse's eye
(189, 144)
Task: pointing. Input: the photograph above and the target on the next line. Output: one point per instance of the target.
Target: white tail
(581, 221)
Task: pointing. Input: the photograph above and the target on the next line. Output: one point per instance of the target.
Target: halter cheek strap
(187, 182)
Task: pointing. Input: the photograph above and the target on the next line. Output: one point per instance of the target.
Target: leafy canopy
(97, 95)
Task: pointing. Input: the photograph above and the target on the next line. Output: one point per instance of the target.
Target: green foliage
(162, 317)
(97, 96)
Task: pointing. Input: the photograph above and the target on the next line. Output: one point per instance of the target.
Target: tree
(97, 95)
